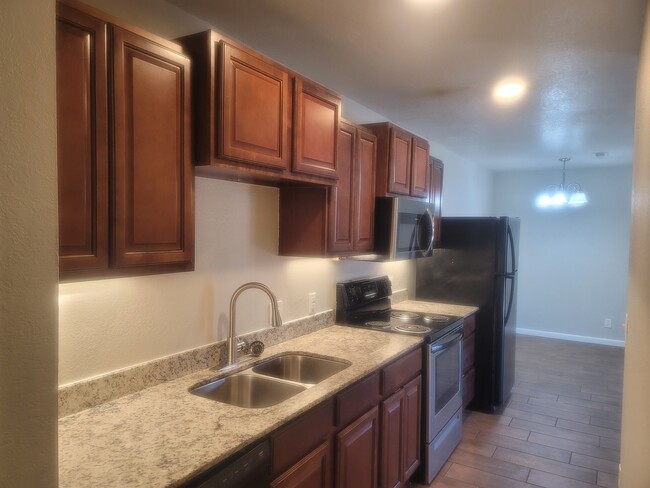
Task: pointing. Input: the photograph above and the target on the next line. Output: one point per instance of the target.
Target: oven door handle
(447, 343)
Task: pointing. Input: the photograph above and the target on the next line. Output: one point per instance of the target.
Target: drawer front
(395, 375)
(468, 352)
(357, 399)
(301, 436)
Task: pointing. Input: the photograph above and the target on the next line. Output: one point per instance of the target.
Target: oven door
(414, 229)
(444, 382)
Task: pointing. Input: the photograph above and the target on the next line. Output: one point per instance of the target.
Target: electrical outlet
(312, 303)
(608, 323)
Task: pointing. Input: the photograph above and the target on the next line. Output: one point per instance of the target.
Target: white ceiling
(431, 68)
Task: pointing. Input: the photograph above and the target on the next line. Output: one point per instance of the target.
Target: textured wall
(635, 441)
(28, 246)
(572, 261)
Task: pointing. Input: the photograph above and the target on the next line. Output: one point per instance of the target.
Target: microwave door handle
(433, 229)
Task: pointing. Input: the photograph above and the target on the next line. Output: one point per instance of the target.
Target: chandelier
(563, 194)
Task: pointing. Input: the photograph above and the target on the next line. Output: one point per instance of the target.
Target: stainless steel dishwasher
(247, 469)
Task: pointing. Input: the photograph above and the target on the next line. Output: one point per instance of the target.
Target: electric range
(366, 304)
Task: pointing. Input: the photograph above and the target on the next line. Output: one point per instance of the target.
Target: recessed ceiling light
(508, 90)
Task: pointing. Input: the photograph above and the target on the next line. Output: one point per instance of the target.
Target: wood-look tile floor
(561, 429)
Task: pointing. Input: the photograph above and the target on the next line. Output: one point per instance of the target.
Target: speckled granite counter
(434, 308)
(163, 435)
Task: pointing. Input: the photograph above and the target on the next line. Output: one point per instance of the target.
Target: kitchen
(199, 299)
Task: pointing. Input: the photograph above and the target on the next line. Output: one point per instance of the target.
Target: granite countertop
(164, 436)
(435, 308)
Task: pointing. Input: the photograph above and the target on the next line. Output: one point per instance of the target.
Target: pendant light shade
(563, 194)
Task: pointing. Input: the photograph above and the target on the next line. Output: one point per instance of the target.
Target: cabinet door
(399, 170)
(435, 195)
(392, 425)
(341, 213)
(356, 451)
(82, 141)
(312, 471)
(364, 191)
(412, 426)
(420, 176)
(315, 129)
(153, 207)
(255, 110)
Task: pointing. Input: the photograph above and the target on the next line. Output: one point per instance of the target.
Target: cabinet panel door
(364, 190)
(315, 129)
(153, 208)
(82, 140)
(341, 196)
(412, 426)
(356, 451)
(255, 110)
(399, 171)
(420, 178)
(392, 425)
(312, 471)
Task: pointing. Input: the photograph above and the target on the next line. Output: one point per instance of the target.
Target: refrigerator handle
(511, 243)
(511, 297)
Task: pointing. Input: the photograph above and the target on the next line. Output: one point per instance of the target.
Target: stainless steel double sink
(271, 381)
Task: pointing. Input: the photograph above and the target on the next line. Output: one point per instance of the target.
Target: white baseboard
(571, 337)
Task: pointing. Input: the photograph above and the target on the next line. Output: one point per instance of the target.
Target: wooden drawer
(468, 352)
(357, 399)
(301, 436)
(396, 374)
(469, 324)
(469, 380)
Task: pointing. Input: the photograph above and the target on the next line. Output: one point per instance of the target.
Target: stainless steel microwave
(404, 228)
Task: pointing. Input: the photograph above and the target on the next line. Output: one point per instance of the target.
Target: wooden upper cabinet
(364, 191)
(402, 162)
(153, 204)
(341, 209)
(399, 171)
(255, 107)
(436, 173)
(420, 176)
(316, 113)
(137, 169)
(82, 140)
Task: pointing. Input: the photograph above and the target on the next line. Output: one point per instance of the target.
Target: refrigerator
(476, 264)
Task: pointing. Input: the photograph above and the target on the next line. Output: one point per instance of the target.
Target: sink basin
(300, 368)
(248, 391)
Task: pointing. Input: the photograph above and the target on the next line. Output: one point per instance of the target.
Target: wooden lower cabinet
(357, 449)
(367, 436)
(400, 435)
(312, 471)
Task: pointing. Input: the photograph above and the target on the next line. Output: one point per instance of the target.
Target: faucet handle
(256, 348)
(242, 346)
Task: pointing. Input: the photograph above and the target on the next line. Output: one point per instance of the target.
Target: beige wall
(28, 245)
(635, 442)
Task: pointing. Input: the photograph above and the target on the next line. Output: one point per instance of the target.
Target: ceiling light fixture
(509, 90)
(563, 194)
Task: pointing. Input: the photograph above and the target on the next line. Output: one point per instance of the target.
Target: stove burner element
(438, 319)
(412, 328)
(378, 324)
(406, 316)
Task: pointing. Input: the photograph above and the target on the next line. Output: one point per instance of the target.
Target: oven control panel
(357, 293)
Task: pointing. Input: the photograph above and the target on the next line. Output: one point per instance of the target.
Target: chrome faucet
(234, 345)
